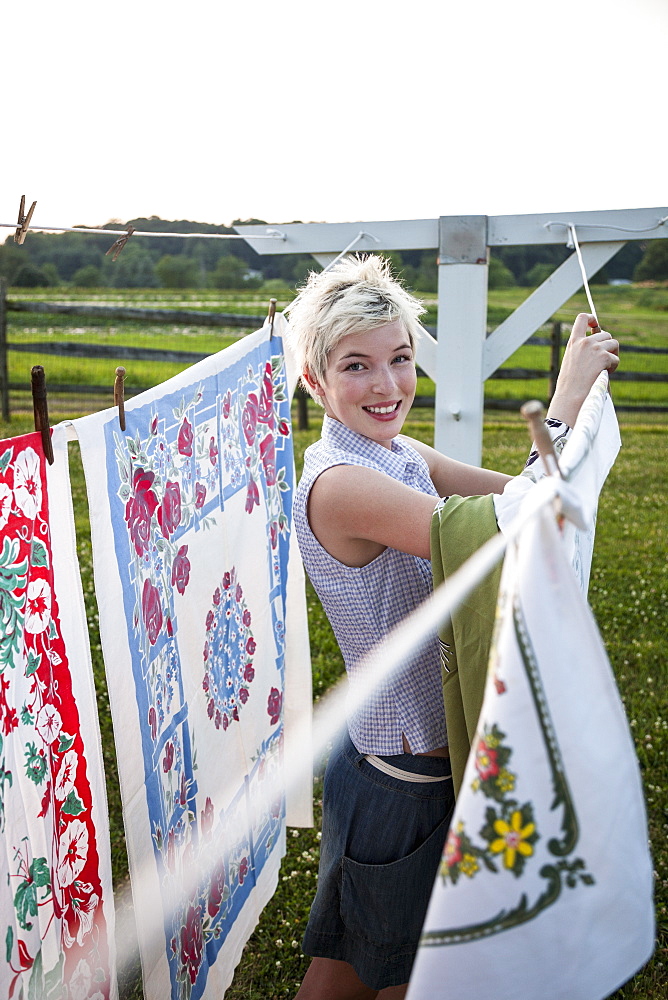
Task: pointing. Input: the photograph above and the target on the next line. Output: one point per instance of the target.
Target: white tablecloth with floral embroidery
(545, 886)
(56, 902)
(191, 516)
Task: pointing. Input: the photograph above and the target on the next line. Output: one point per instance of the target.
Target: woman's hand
(585, 357)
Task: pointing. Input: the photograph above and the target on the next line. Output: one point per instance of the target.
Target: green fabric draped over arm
(458, 528)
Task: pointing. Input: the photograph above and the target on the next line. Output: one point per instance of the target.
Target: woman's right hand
(585, 357)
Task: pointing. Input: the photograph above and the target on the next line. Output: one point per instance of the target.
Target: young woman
(362, 514)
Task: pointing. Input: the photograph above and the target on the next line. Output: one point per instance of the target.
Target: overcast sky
(331, 110)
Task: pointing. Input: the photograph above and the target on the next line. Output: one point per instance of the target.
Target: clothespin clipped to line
(41, 411)
(272, 313)
(119, 395)
(116, 247)
(24, 221)
(533, 414)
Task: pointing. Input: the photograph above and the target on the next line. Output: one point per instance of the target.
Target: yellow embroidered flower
(505, 780)
(512, 839)
(468, 865)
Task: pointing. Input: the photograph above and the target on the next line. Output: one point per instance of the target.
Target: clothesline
(272, 234)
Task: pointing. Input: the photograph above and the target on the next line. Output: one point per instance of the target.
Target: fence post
(4, 380)
(555, 359)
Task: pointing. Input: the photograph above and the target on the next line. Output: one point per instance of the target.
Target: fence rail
(240, 321)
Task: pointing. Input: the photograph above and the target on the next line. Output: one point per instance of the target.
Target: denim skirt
(382, 840)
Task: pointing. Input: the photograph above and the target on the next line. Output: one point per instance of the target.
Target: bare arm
(584, 359)
(450, 477)
(356, 512)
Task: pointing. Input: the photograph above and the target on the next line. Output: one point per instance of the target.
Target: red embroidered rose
(140, 508)
(246, 617)
(184, 441)
(268, 456)
(252, 496)
(249, 673)
(274, 703)
(151, 611)
(169, 515)
(192, 942)
(216, 890)
(200, 495)
(243, 695)
(485, 761)
(251, 645)
(249, 418)
(181, 570)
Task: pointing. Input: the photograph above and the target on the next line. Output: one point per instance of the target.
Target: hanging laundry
(56, 900)
(200, 595)
(545, 885)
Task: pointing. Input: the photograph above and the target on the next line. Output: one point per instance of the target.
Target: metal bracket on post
(462, 327)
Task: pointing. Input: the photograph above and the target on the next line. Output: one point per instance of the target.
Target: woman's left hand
(585, 357)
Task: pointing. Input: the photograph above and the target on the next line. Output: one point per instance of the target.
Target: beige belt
(396, 772)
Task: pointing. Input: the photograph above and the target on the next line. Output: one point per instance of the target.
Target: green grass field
(628, 593)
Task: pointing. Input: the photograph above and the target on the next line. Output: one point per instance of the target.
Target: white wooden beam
(461, 328)
(333, 237)
(543, 303)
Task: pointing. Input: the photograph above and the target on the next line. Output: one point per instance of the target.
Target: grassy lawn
(629, 583)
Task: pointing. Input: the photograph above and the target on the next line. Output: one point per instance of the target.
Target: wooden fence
(121, 354)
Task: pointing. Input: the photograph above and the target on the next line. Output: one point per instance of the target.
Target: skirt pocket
(386, 904)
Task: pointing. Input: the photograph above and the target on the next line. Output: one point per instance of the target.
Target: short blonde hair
(356, 295)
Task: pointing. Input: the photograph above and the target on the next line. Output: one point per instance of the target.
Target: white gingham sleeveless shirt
(363, 603)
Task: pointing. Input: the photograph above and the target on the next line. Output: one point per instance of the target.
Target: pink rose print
(181, 570)
(184, 441)
(249, 418)
(274, 704)
(266, 407)
(213, 451)
(200, 495)
(246, 618)
(249, 673)
(168, 759)
(192, 943)
(273, 533)
(251, 646)
(151, 611)
(268, 456)
(216, 890)
(227, 403)
(453, 849)
(140, 509)
(153, 722)
(243, 870)
(243, 695)
(169, 514)
(207, 818)
(284, 428)
(252, 496)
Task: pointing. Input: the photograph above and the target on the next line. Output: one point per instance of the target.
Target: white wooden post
(461, 330)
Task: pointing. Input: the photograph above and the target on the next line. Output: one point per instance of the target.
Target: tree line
(82, 260)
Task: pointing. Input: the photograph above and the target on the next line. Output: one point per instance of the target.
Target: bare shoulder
(355, 512)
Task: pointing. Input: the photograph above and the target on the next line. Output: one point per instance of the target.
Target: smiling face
(370, 382)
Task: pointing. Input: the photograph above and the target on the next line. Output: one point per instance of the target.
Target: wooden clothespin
(116, 247)
(41, 411)
(272, 313)
(119, 395)
(533, 414)
(24, 220)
